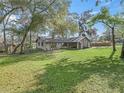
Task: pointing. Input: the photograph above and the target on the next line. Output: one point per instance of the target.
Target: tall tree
(121, 32)
(61, 22)
(7, 8)
(39, 10)
(108, 20)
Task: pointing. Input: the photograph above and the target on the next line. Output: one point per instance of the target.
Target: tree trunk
(52, 42)
(5, 43)
(23, 40)
(12, 43)
(15, 49)
(21, 50)
(122, 51)
(21, 44)
(113, 39)
(30, 40)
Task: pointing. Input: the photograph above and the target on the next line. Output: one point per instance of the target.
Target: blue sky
(79, 7)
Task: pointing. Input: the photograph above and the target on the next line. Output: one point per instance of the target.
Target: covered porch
(72, 45)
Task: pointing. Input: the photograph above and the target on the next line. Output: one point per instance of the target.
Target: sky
(79, 7)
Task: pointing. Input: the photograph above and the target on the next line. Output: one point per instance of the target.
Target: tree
(108, 20)
(121, 30)
(107, 35)
(122, 51)
(29, 12)
(7, 8)
(4, 34)
(34, 23)
(39, 10)
(121, 33)
(99, 1)
(61, 22)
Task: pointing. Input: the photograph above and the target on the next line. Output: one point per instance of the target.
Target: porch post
(77, 45)
(67, 45)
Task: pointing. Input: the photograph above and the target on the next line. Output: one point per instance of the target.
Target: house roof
(62, 40)
(49, 39)
(74, 39)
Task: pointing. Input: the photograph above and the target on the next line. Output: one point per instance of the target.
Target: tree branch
(48, 6)
(8, 13)
(105, 23)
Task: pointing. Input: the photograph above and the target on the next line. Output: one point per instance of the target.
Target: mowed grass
(63, 71)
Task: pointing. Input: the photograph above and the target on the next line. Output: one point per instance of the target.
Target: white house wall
(59, 45)
(39, 46)
(47, 46)
(85, 43)
(44, 47)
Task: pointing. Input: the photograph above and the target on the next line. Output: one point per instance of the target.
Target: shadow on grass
(11, 59)
(112, 54)
(63, 76)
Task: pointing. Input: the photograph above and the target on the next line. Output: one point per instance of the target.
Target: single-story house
(82, 41)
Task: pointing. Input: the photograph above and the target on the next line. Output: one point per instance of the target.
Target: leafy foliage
(106, 18)
(19, 3)
(1, 5)
(60, 23)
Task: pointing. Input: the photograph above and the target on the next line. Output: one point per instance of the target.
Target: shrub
(104, 43)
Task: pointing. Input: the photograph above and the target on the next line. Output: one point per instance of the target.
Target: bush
(104, 43)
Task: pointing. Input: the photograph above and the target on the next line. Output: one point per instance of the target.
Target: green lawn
(63, 71)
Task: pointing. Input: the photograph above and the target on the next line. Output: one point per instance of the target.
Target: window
(83, 35)
(42, 44)
(38, 43)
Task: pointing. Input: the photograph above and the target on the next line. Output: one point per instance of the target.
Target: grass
(63, 71)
